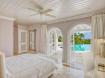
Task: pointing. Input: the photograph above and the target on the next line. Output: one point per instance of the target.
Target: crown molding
(89, 14)
(7, 18)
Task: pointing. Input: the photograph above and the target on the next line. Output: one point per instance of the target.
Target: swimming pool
(81, 48)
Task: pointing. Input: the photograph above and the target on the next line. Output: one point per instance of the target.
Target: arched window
(55, 40)
(81, 38)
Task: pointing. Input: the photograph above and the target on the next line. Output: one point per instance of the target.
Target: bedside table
(100, 67)
(100, 74)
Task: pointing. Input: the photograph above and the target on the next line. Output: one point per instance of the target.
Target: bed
(29, 66)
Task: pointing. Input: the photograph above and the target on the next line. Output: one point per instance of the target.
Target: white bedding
(29, 66)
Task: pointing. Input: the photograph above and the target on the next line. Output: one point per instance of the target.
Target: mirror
(32, 39)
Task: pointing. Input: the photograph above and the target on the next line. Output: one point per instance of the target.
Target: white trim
(84, 15)
(7, 18)
(54, 30)
(69, 41)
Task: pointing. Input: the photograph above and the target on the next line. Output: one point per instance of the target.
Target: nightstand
(100, 67)
(100, 74)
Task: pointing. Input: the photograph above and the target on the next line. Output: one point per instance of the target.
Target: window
(81, 39)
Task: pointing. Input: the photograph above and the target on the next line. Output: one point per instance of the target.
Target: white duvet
(29, 66)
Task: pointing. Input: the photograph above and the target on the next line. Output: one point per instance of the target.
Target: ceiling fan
(40, 10)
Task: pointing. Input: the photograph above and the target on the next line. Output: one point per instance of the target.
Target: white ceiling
(62, 9)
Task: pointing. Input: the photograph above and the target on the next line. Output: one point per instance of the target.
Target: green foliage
(79, 39)
(60, 39)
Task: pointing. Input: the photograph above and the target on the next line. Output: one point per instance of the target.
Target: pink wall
(6, 36)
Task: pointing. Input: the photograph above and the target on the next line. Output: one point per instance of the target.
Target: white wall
(6, 36)
(66, 27)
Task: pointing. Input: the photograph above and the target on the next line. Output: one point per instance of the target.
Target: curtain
(98, 26)
(41, 39)
(2, 66)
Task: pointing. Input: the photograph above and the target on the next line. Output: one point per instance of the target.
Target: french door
(32, 39)
(22, 40)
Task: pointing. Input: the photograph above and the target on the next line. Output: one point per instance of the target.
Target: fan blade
(46, 11)
(32, 9)
(50, 15)
(37, 5)
(34, 14)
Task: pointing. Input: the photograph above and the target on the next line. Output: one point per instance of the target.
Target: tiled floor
(67, 72)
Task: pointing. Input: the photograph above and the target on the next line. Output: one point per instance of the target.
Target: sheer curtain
(41, 39)
(98, 26)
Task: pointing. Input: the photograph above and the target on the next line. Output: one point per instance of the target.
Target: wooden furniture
(100, 67)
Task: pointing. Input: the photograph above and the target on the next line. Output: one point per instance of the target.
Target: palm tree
(81, 35)
(79, 38)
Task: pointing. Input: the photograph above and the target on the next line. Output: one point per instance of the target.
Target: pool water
(81, 48)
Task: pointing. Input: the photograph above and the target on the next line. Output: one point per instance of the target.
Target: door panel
(32, 40)
(22, 40)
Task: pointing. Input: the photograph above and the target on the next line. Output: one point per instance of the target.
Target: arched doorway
(55, 43)
(55, 40)
(80, 49)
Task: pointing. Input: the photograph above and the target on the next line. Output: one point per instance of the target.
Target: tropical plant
(79, 39)
(60, 39)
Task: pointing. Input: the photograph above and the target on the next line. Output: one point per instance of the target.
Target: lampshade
(101, 39)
